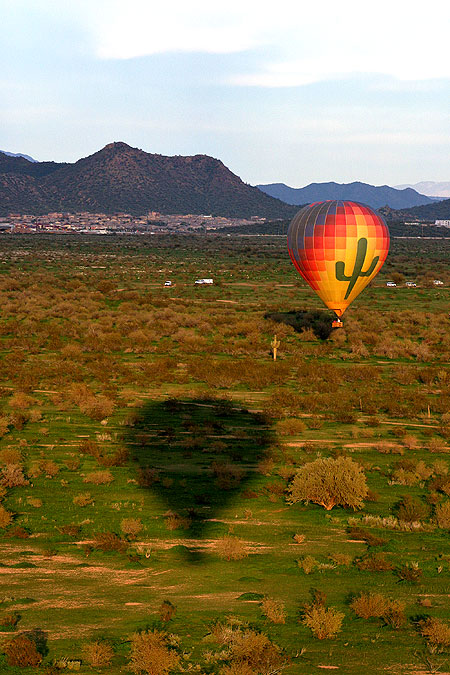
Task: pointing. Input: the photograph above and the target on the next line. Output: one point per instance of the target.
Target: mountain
(121, 178)
(427, 213)
(18, 154)
(430, 188)
(358, 192)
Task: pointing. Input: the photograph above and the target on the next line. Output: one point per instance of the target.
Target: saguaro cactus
(361, 252)
(275, 345)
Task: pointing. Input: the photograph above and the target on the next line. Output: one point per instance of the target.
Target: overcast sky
(281, 91)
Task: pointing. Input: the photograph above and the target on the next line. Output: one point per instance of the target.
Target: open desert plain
(155, 460)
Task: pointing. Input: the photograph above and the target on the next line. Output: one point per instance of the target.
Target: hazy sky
(280, 91)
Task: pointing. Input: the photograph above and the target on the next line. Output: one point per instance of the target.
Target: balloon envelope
(338, 247)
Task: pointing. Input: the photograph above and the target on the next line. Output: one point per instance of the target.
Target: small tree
(330, 482)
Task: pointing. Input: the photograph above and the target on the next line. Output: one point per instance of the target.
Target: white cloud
(312, 43)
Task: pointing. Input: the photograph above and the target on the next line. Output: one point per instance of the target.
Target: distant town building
(442, 223)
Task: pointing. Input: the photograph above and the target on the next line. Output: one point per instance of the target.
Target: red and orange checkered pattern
(338, 247)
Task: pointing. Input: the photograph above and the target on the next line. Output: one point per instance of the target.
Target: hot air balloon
(338, 247)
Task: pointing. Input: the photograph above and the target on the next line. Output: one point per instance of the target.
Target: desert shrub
(151, 654)
(436, 633)
(410, 509)
(368, 605)
(6, 517)
(307, 564)
(166, 610)
(118, 458)
(401, 476)
(173, 521)
(10, 456)
(131, 527)
(147, 476)
(22, 652)
(231, 548)
(98, 654)
(323, 622)
(249, 649)
(442, 515)
(83, 499)
(330, 482)
(18, 533)
(440, 467)
(35, 502)
(409, 572)
(109, 541)
(395, 614)
(12, 476)
(99, 477)
(73, 464)
(10, 620)
(266, 466)
(286, 472)
(341, 559)
(291, 427)
(70, 530)
(274, 610)
(49, 468)
(299, 538)
(97, 407)
(410, 442)
(20, 401)
(89, 447)
(365, 535)
(227, 476)
(374, 562)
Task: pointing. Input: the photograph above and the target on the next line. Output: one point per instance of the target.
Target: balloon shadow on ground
(317, 320)
(196, 456)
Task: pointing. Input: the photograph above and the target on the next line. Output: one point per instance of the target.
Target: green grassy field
(154, 438)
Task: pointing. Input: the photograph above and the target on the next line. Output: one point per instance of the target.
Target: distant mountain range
(18, 154)
(429, 188)
(120, 178)
(358, 192)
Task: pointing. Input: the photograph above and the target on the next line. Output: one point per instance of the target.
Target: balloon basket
(337, 323)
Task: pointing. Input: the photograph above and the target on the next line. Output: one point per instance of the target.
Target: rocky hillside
(122, 178)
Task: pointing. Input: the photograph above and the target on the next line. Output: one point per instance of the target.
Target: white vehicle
(437, 282)
(204, 281)
(167, 283)
(391, 284)
(411, 284)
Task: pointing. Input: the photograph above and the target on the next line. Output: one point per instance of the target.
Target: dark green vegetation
(148, 441)
(120, 178)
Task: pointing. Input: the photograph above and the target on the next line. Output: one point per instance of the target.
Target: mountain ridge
(119, 178)
(374, 196)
